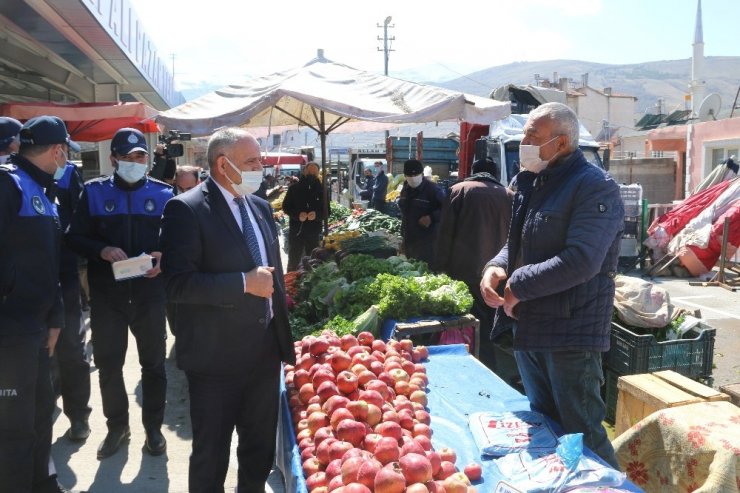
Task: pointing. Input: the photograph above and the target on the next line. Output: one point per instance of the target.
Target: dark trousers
(301, 242)
(110, 320)
(73, 367)
(248, 401)
(26, 406)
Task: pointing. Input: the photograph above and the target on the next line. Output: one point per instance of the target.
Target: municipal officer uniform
(30, 305)
(73, 367)
(114, 212)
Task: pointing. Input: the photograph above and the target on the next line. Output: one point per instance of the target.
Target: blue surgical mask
(59, 171)
(131, 171)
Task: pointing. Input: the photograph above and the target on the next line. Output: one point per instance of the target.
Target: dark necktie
(248, 232)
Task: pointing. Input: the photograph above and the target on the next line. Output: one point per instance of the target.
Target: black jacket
(68, 192)
(112, 212)
(219, 327)
(305, 196)
(30, 237)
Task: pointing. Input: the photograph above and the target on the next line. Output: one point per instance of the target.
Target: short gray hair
(565, 121)
(222, 141)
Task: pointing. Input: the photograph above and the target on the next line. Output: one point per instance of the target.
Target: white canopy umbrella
(324, 95)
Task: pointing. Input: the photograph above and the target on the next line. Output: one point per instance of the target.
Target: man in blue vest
(31, 311)
(118, 218)
(71, 366)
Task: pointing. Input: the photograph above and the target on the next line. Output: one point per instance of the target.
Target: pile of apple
(358, 406)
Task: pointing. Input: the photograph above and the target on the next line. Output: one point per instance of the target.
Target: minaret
(696, 87)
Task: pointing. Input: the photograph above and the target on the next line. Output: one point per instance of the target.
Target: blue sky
(217, 42)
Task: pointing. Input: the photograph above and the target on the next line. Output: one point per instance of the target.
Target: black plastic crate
(609, 394)
(632, 353)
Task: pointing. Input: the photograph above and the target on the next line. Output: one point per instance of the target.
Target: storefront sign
(119, 19)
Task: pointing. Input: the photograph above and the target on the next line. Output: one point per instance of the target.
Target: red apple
(417, 488)
(316, 480)
(412, 447)
(306, 393)
(473, 471)
(334, 469)
(374, 415)
(387, 450)
(447, 454)
(356, 488)
(446, 469)
(435, 460)
(371, 442)
(390, 479)
(318, 346)
(317, 420)
(347, 341)
(338, 449)
(338, 416)
(326, 390)
(350, 468)
(389, 429)
(422, 417)
(351, 352)
(424, 441)
(333, 403)
(322, 451)
(367, 472)
(322, 434)
(422, 429)
(372, 397)
(340, 361)
(358, 409)
(347, 382)
(419, 396)
(311, 466)
(416, 468)
(351, 431)
(364, 377)
(365, 338)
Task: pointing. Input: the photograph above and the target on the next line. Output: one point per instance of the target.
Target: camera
(170, 149)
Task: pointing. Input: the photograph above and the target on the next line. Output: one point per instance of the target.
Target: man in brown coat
(473, 228)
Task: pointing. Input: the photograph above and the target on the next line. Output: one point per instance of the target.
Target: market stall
(452, 399)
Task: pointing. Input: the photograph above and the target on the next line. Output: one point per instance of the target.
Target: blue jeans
(565, 385)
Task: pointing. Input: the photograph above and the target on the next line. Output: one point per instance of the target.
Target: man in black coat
(221, 262)
(421, 203)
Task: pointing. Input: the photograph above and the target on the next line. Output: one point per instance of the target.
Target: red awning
(88, 122)
(275, 158)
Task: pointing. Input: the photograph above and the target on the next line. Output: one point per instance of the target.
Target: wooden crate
(641, 395)
(733, 390)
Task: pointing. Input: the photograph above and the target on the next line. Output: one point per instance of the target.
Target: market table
(458, 386)
(695, 447)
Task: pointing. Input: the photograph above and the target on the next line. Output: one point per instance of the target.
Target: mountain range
(648, 81)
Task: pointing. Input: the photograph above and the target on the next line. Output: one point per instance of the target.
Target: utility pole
(386, 50)
(386, 53)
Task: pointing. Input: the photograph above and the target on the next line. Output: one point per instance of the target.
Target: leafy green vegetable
(360, 265)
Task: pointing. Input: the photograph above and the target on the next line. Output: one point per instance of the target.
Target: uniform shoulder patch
(38, 204)
(603, 208)
(149, 205)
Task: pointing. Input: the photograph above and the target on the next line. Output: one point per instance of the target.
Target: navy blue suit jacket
(219, 327)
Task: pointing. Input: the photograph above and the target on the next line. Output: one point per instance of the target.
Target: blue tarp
(458, 386)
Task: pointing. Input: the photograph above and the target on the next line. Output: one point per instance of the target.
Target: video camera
(174, 150)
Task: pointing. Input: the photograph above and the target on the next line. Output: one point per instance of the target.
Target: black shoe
(62, 489)
(155, 443)
(113, 441)
(79, 430)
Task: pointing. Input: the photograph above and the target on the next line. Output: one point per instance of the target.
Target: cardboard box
(132, 267)
(641, 395)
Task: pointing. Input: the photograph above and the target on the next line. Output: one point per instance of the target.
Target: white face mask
(130, 171)
(414, 181)
(59, 172)
(529, 157)
(251, 180)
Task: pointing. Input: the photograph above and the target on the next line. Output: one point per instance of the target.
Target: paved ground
(131, 470)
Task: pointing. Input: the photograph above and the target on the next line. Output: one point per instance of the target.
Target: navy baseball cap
(9, 129)
(46, 130)
(128, 140)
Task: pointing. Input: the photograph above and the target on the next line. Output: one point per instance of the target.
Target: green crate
(632, 353)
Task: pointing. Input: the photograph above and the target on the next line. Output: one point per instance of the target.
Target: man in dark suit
(222, 267)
